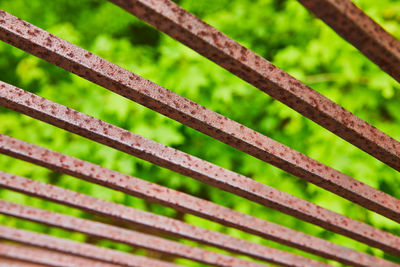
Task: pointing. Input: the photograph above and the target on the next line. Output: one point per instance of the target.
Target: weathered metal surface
(211, 43)
(48, 258)
(185, 203)
(122, 235)
(87, 126)
(153, 222)
(47, 46)
(356, 27)
(78, 249)
(228, 137)
(4, 262)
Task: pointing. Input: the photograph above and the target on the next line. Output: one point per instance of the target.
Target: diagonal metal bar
(186, 203)
(47, 46)
(113, 136)
(155, 222)
(121, 235)
(79, 249)
(4, 262)
(257, 71)
(360, 30)
(48, 258)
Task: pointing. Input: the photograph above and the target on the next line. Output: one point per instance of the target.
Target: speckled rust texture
(113, 136)
(211, 43)
(152, 223)
(78, 248)
(122, 235)
(47, 257)
(183, 202)
(7, 262)
(356, 27)
(77, 60)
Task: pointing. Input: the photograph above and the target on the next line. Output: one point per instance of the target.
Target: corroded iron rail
(128, 142)
(79, 61)
(5, 262)
(168, 17)
(352, 24)
(155, 222)
(357, 28)
(79, 249)
(48, 258)
(121, 235)
(183, 202)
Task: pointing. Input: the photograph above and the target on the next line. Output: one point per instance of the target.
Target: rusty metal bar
(4, 262)
(122, 235)
(79, 249)
(189, 204)
(113, 136)
(55, 50)
(0, 21)
(360, 30)
(48, 258)
(211, 43)
(154, 222)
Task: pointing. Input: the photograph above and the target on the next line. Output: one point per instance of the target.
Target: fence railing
(353, 25)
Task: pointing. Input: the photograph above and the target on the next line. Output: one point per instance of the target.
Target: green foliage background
(282, 31)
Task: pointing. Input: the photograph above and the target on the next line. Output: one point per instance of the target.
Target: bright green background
(281, 31)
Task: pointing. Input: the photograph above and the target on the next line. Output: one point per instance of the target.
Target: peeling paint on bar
(113, 136)
(122, 235)
(154, 222)
(79, 249)
(357, 28)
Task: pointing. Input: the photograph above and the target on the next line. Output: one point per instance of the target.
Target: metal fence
(344, 17)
